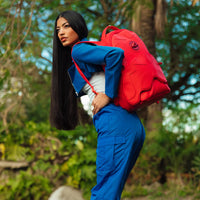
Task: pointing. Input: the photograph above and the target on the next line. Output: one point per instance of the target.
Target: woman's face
(66, 34)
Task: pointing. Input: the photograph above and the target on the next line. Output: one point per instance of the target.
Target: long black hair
(63, 111)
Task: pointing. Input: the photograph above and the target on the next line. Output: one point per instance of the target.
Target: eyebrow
(62, 24)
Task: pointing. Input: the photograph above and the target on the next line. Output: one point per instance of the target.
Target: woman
(120, 133)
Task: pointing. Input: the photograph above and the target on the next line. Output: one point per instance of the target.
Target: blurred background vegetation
(35, 158)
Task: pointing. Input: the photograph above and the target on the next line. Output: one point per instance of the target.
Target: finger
(94, 101)
(96, 110)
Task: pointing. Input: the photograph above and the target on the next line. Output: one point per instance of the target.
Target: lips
(63, 39)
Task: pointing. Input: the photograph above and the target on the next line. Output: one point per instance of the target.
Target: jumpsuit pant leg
(120, 139)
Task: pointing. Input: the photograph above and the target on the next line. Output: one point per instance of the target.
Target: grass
(156, 191)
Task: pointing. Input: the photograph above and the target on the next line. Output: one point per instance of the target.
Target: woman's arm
(102, 55)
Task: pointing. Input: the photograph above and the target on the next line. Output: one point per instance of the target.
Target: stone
(66, 193)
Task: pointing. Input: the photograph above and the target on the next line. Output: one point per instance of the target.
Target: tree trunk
(144, 25)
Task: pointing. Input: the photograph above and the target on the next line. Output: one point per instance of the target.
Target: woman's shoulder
(88, 51)
(88, 46)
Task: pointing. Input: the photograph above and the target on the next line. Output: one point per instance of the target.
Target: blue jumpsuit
(120, 133)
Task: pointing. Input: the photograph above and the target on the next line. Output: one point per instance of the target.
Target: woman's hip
(115, 121)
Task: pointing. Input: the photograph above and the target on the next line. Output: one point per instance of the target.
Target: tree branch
(97, 14)
(105, 6)
(28, 25)
(45, 59)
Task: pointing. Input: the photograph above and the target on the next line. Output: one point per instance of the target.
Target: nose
(61, 32)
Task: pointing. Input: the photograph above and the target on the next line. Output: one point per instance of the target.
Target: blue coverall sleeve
(102, 55)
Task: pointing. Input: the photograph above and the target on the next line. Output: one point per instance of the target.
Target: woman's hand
(99, 102)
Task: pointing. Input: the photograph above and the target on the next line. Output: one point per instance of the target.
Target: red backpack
(142, 81)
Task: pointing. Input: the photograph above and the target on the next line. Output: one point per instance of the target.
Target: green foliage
(178, 151)
(166, 153)
(74, 139)
(67, 157)
(81, 169)
(4, 75)
(158, 191)
(196, 169)
(135, 191)
(81, 166)
(26, 186)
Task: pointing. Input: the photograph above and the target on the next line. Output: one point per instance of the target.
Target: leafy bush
(55, 158)
(167, 152)
(196, 169)
(25, 186)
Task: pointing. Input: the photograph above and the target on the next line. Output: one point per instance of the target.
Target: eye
(66, 25)
(63, 26)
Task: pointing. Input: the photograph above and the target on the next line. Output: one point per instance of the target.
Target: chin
(65, 45)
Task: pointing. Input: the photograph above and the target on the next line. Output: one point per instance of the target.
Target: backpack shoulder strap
(81, 73)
